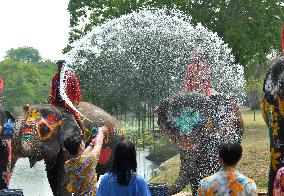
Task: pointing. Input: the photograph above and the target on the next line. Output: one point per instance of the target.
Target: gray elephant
(273, 113)
(199, 124)
(42, 129)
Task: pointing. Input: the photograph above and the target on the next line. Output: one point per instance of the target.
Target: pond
(34, 182)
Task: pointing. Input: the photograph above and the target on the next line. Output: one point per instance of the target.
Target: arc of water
(64, 75)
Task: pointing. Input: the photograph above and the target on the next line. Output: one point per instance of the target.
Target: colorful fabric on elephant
(278, 188)
(73, 90)
(81, 172)
(197, 78)
(228, 181)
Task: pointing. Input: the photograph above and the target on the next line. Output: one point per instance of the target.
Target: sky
(42, 24)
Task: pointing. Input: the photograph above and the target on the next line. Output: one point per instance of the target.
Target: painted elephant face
(182, 116)
(190, 117)
(38, 129)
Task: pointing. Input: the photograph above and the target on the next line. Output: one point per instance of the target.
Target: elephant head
(199, 124)
(185, 117)
(39, 129)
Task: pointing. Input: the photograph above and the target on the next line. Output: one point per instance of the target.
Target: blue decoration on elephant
(9, 128)
(187, 120)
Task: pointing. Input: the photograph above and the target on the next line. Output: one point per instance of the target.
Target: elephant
(41, 130)
(272, 106)
(199, 124)
(5, 148)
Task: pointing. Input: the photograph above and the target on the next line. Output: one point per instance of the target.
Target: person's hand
(102, 129)
(93, 142)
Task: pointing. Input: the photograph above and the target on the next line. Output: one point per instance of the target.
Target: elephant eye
(44, 129)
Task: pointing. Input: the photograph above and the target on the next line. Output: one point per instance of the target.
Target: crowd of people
(123, 180)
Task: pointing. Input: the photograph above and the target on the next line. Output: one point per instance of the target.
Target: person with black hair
(228, 181)
(122, 178)
(81, 169)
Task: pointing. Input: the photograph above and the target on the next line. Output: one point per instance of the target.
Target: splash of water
(161, 41)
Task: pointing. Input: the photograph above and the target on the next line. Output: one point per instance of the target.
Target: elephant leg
(55, 175)
(183, 178)
(194, 185)
(272, 175)
(4, 162)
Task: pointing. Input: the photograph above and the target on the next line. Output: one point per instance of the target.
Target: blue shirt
(109, 186)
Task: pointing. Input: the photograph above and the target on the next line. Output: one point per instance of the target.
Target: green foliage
(254, 91)
(24, 83)
(160, 149)
(251, 28)
(92, 12)
(24, 54)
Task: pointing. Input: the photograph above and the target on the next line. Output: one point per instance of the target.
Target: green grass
(255, 161)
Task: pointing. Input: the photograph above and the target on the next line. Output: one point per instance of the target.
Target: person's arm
(97, 142)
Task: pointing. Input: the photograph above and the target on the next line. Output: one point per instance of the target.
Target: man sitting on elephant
(198, 75)
(73, 92)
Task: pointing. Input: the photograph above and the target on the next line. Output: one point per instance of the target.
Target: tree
(24, 83)
(251, 28)
(24, 54)
(95, 12)
(254, 89)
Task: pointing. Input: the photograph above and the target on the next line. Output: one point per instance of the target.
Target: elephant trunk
(27, 149)
(32, 151)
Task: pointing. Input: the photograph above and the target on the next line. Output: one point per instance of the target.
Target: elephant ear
(69, 128)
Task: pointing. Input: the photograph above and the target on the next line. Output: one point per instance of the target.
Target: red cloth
(197, 78)
(1, 84)
(283, 38)
(73, 91)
